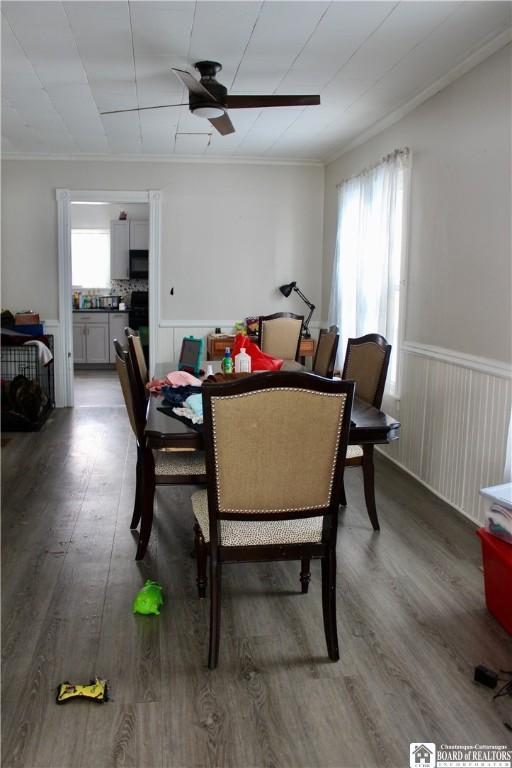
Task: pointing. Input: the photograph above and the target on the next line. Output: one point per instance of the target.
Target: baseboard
(467, 518)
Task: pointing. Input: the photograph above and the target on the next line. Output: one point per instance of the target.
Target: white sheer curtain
(365, 291)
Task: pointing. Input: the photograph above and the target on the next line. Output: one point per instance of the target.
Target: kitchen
(109, 251)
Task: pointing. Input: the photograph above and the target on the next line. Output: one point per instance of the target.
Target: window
(367, 275)
(90, 258)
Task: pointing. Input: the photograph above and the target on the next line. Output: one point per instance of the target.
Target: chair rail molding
(452, 357)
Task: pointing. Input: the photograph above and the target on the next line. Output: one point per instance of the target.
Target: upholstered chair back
(325, 354)
(130, 394)
(279, 335)
(277, 444)
(137, 358)
(366, 362)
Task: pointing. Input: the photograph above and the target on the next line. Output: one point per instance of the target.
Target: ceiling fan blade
(193, 85)
(141, 109)
(222, 124)
(275, 100)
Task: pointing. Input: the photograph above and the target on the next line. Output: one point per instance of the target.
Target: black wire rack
(24, 361)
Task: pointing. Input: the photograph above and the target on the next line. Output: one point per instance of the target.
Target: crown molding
(477, 57)
(162, 159)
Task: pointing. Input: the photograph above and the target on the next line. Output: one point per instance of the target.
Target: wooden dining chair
(326, 349)
(279, 334)
(367, 362)
(291, 429)
(138, 360)
(160, 467)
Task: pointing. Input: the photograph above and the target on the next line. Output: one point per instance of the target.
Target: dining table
(369, 426)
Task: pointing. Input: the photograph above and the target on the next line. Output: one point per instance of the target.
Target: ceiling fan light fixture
(210, 111)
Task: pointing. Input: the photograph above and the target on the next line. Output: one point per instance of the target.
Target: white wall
(230, 233)
(459, 283)
(456, 388)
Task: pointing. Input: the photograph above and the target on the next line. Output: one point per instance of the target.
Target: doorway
(66, 200)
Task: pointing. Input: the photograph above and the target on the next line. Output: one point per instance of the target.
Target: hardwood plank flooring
(412, 625)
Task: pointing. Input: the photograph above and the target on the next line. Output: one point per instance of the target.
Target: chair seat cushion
(354, 451)
(237, 533)
(179, 463)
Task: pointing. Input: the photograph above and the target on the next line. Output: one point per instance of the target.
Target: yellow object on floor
(96, 690)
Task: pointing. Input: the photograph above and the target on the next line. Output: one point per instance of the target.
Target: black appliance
(139, 264)
(138, 318)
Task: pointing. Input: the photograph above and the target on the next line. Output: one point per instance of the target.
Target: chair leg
(369, 486)
(305, 575)
(138, 489)
(329, 604)
(201, 556)
(215, 597)
(148, 498)
(343, 498)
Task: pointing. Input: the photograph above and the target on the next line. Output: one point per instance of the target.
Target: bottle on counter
(242, 362)
(227, 362)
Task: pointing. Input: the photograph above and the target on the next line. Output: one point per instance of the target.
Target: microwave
(139, 261)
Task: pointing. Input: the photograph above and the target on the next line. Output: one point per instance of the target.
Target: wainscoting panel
(455, 419)
(170, 338)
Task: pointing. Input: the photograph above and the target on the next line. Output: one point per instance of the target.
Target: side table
(216, 345)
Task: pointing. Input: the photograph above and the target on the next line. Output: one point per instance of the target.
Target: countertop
(96, 309)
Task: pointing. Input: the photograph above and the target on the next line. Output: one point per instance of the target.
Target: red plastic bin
(497, 559)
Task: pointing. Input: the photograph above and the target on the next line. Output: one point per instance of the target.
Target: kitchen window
(90, 258)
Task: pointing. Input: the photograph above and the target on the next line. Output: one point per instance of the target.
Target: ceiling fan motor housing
(208, 70)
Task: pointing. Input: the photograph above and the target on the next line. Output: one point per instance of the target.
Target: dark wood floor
(411, 618)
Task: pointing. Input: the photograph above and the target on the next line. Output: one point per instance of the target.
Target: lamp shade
(287, 289)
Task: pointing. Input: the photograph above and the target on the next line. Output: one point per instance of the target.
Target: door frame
(64, 197)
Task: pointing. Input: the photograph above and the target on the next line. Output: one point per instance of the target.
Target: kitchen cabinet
(117, 323)
(79, 337)
(126, 236)
(93, 334)
(119, 250)
(139, 235)
(91, 338)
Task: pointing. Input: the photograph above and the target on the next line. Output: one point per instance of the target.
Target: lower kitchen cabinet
(93, 334)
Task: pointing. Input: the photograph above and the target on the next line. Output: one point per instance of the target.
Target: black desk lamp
(286, 290)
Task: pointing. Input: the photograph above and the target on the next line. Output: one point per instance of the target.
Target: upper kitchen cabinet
(139, 235)
(119, 250)
(126, 236)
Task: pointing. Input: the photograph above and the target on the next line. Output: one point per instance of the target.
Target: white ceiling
(65, 62)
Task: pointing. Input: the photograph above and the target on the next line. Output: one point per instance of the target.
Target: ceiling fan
(208, 98)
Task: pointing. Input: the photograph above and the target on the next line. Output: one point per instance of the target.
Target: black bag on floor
(23, 397)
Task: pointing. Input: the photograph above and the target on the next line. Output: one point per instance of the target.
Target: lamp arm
(305, 327)
(307, 301)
